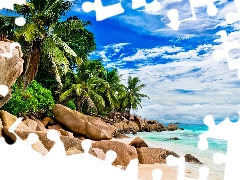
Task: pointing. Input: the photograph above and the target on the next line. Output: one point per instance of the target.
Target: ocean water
(188, 144)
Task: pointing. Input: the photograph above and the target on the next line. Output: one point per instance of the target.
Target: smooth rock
(10, 68)
(125, 153)
(138, 143)
(81, 124)
(153, 155)
(191, 158)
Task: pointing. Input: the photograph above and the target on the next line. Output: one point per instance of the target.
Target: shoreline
(216, 171)
(168, 172)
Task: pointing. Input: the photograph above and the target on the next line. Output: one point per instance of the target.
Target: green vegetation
(35, 100)
(56, 50)
(132, 97)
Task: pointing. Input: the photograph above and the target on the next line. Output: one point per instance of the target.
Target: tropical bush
(71, 105)
(34, 100)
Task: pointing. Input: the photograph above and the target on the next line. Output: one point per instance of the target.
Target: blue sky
(182, 79)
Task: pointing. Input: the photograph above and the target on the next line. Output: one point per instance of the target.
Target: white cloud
(144, 54)
(104, 50)
(213, 85)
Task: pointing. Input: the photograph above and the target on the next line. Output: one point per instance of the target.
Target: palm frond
(56, 55)
(30, 31)
(66, 95)
(62, 44)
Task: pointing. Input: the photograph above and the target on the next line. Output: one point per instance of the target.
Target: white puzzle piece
(173, 14)
(102, 12)
(180, 162)
(224, 53)
(228, 131)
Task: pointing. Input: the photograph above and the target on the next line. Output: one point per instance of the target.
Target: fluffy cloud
(212, 85)
(144, 54)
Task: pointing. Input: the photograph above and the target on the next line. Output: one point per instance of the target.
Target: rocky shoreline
(73, 127)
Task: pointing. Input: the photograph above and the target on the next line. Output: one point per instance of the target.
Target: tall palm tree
(113, 89)
(40, 34)
(133, 96)
(85, 87)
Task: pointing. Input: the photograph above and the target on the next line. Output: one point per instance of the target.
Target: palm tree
(40, 35)
(113, 89)
(132, 97)
(7, 25)
(85, 87)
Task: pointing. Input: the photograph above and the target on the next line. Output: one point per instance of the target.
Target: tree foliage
(43, 17)
(7, 26)
(132, 98)
(56, 51)
(34, 100)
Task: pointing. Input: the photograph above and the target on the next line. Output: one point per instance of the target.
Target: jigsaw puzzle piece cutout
(229, 131)
(173, 14)
(102, 12)
(12, 46)
(110, 156)
(86, 145)
(216, 131)
(18, 155)
(224, 53)
(20, 21)
(58, 150)
(3, 90)
(234, 16)
(132, 169)
(9, 4)
(92, 167)
(231, 164)
(153, 6)
(180, 162)
(157, 174)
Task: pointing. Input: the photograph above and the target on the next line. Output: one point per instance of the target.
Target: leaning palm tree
(132, 98)
(40, 33)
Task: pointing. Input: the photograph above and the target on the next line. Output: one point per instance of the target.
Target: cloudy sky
(182, 79)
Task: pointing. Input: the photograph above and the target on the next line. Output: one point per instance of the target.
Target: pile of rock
(137, 124)
(148, 155)
(72, 127)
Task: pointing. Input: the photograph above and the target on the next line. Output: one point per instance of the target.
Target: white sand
(145, 170)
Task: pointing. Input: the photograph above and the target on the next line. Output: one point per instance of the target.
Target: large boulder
(140, 122)
(81, 124)
(7, 121)
(10, 68)
(153, 155)
(125, 153)
(138, 143)
(1, 127)
(154, 125)
(127, 125)
(172, 127)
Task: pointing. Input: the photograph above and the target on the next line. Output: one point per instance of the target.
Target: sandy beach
(145, 170)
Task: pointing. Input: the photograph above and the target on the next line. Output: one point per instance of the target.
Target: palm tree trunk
(32, 63)
(129, 109)
(79, 103)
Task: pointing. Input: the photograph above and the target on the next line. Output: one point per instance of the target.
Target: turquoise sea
(188, 144)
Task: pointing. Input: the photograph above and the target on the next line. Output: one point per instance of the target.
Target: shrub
(34, 100)
(71, 105)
